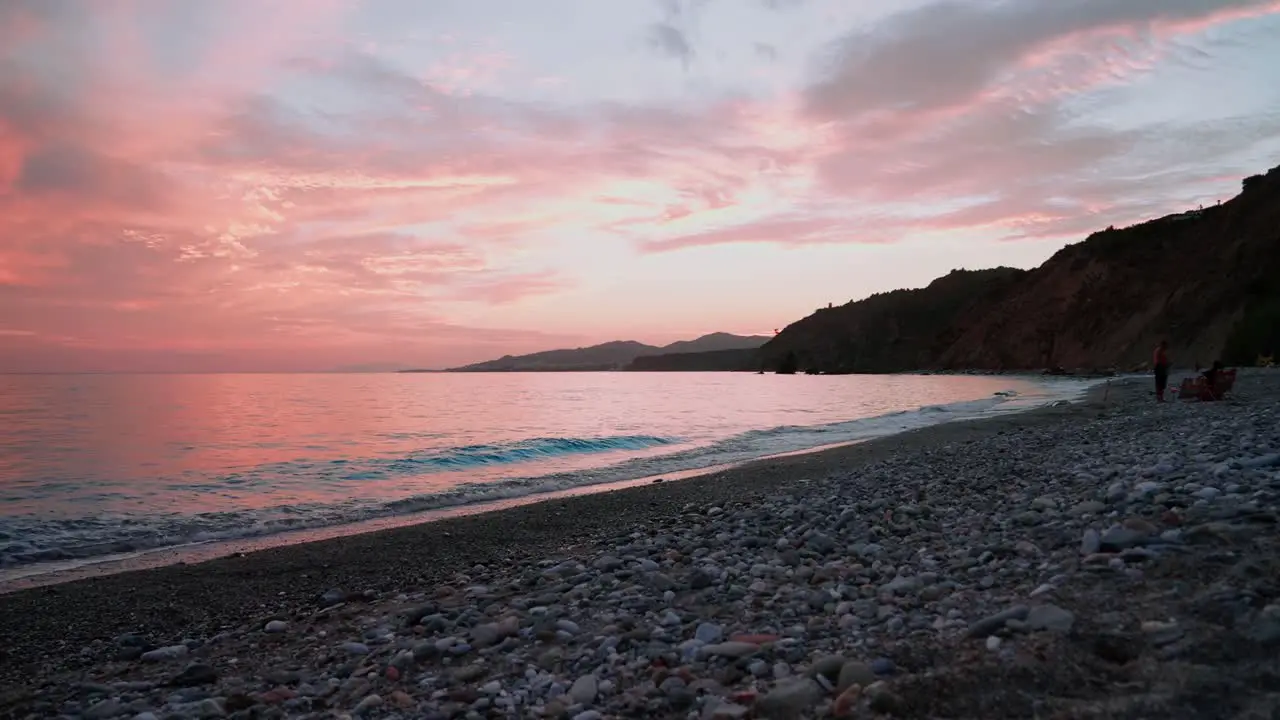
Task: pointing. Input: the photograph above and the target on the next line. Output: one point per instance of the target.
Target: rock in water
(1050, 617)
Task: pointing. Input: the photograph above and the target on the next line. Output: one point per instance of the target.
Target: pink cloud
(286, 191)
(785, 231)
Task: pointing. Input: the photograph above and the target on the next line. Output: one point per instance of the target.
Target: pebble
(210, 708)
(729, 711)
(1051, 618)
(789, 602)
(731, 649)
(992, 623)
(854, 673)
(194, 675)
(1090, 542)
(708, 633)
(1088, 507)
(368, 704)
(883, 666)
(1120, 538)
(584, 690)
(789, 698)
(108, 708)
(169, 652)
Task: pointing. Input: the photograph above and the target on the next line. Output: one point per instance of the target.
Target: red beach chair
(1199, 389)
(1191, 388)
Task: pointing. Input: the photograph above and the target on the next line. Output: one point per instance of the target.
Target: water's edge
(481, 498)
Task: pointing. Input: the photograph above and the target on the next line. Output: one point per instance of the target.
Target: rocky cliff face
(893, 331)
(1207, 280)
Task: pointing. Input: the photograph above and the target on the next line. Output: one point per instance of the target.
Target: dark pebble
(195, 674)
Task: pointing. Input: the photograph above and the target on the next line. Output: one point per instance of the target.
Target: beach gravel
(1082, 561)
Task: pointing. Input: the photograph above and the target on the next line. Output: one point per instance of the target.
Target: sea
(104, 468)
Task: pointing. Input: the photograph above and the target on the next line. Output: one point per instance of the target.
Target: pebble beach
(1107, 558)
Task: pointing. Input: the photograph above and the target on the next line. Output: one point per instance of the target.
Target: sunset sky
(215, 185)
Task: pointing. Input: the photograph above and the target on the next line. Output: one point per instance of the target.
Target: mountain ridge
(1206, 280)
(613, 355)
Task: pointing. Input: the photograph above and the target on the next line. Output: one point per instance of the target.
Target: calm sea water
(94, 465)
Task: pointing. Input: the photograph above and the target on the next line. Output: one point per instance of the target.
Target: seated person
(1211, 375)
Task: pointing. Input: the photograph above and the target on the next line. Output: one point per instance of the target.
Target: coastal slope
(893, 331)
(1207, 280)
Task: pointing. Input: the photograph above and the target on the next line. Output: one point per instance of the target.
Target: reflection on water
(98, 463)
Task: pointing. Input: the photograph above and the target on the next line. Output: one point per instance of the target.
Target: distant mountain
(615, 355)
(715, 342)
(1206, 280)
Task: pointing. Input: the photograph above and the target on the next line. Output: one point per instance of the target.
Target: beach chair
(1198, 388)
(1226, 381)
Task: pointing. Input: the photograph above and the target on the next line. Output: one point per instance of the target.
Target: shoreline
(1078, 561)
(275, 578)
(22, 577)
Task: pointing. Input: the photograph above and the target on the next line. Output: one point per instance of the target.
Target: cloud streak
(188, 184)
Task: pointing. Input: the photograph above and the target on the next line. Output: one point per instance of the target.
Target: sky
(296, 185)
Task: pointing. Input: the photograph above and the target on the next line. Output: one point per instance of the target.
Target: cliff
(889, 332)
(1206, 280)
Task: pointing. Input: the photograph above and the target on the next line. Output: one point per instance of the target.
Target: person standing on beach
(1160, 363)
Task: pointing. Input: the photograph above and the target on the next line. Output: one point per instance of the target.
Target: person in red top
(1160, 363)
